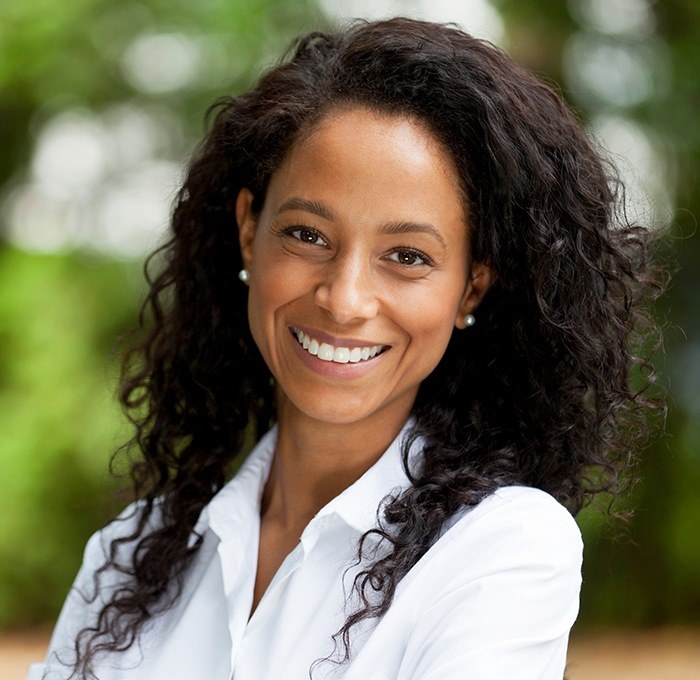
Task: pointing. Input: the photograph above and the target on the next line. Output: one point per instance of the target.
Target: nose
(348, 291)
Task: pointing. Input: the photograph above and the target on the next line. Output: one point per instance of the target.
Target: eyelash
(412, 252)
(290, 231)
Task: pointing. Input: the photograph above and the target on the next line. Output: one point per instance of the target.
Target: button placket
(238, 561)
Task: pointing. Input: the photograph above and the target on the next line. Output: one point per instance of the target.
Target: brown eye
(408, 258)
(309, 236)
(306, 235)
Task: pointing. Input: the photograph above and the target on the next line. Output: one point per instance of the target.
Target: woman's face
(358, 265)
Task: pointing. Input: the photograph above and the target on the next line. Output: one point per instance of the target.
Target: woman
(433, 325)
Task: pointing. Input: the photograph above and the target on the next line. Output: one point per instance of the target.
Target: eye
(410, 258)
(306, 235)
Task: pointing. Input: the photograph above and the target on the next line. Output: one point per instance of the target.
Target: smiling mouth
(338, 354)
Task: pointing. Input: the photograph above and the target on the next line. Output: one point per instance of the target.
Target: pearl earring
(469, 320)
(244, 276)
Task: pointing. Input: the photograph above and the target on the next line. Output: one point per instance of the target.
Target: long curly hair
(548, 389)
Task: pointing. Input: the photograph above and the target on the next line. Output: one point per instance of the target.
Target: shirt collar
(238, 503)
(358, 504)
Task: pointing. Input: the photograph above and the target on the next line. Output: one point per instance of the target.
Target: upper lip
(334, 340)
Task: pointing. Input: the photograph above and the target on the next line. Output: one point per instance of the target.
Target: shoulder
(92, 586)
(497, 593)
(521, 531)
(115, 542)
(518, 552)
(127, 529)
(86, 596)
(517, 511)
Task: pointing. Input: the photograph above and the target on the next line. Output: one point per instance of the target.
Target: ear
(481, 278)
(246, 225)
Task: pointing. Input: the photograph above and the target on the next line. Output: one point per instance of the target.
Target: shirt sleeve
(508, 587)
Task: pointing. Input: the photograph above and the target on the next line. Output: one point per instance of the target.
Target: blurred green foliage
(60, 314)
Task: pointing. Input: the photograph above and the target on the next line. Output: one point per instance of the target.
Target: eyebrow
(400, 227)
(412, 228)
(306, 205)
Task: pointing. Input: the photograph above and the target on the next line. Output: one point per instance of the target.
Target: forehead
(359, 157)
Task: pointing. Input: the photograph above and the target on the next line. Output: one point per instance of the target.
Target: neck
(315, 461)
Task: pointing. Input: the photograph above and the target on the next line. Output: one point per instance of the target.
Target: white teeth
(325, 352)
(340, 355)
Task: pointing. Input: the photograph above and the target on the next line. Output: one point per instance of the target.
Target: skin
(334, 267)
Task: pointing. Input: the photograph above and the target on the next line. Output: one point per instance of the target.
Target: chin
(342, 415)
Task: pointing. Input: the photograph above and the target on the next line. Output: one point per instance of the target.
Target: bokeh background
(101, 101)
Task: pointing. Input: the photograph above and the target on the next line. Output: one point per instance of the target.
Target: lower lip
(333, 369)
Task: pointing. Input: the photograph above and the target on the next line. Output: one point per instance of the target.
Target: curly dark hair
(548, 390)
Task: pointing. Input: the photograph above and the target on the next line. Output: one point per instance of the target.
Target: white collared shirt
(494, 598)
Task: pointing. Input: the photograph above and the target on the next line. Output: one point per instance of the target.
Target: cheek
(429, 324)
(435, 333)
(263, 301)
(256, 321)
(267, 297)
(263, 296)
